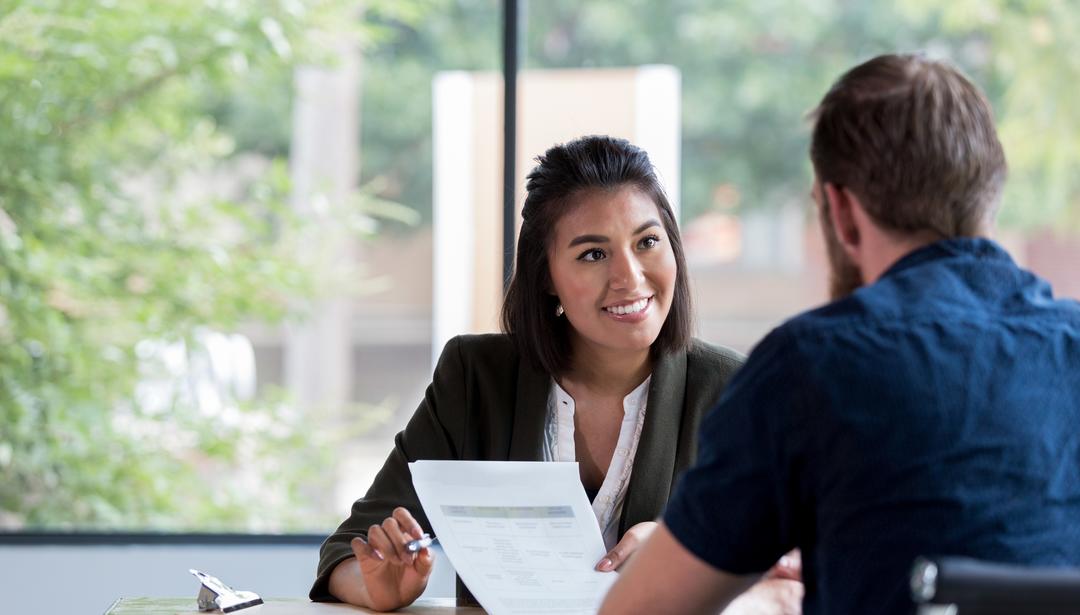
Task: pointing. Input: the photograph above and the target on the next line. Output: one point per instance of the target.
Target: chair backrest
(963, 586)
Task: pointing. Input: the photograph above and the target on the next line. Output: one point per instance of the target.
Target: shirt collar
(969, 247)
(633, 403)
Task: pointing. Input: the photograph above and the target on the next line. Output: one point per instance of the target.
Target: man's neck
(888, 248)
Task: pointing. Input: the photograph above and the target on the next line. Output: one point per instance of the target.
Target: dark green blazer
(486, 402)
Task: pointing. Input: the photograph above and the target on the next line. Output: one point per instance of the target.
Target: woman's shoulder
(709, 369)
(706, 356)
(483, 343)
(485, 349)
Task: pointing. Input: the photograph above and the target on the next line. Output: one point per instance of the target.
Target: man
(933, 408)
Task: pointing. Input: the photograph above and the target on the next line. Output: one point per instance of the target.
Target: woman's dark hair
(564, 173)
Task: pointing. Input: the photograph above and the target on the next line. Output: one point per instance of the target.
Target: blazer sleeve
(434, 432)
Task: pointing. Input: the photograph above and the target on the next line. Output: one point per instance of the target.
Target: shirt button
(621, 451)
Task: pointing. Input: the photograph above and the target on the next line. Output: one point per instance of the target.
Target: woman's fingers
(610, 561)
(363, 551)
(407, 523)
(631, 541)
(388, 539)
(397, 539)
(425, 561)
(378, 539)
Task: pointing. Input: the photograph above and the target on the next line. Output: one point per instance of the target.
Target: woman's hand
(631, 541)
(389, 576)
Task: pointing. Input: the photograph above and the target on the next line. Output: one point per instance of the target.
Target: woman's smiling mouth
(629, 311)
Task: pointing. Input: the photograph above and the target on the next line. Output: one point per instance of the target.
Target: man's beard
(844, 277)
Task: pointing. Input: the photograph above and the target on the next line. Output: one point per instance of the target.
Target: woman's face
(613, 269)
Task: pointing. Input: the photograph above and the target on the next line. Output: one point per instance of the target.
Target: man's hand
(787, 567)
(384, 576)
(769, 597)
(780, 591)
(665, 577)
(631, 540)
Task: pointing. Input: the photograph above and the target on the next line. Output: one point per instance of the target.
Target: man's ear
(842, 203)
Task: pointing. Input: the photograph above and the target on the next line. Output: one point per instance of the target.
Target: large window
(752, 70)
(215, 261)
(218, 220)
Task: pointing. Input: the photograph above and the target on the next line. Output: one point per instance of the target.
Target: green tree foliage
(110, 247)
(751, 70)
(396, 131)
(1028, 56)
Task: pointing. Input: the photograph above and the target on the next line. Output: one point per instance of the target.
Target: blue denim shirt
(934, 412)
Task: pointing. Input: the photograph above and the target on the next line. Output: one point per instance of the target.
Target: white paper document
(521, 535)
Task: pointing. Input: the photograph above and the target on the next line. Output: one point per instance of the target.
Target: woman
(597, 366)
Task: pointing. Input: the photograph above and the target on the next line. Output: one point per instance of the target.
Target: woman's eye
(649, 242)
(594, 254)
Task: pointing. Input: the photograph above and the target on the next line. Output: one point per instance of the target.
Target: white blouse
(559, 446)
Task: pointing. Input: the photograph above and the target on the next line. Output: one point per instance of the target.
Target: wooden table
(281, 606)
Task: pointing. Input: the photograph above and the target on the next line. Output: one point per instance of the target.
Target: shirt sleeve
(734, 507)
(433, 432)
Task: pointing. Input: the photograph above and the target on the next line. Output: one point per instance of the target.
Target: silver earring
(559, 311)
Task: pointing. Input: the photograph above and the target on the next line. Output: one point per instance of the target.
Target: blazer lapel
(654, 461)
(530, 408)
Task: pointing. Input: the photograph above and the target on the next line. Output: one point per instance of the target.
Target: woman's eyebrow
(588, 239)
(649, 224)
(604, 239)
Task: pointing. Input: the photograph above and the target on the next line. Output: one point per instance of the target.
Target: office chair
(963, 586)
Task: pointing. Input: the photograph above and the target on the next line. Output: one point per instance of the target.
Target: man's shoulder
(811, 324)
(902, 304)
(878, 305)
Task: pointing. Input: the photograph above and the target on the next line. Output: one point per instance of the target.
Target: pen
(425, 541)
